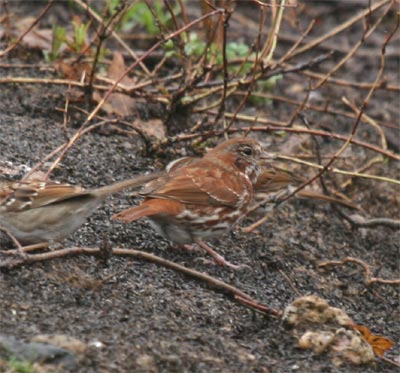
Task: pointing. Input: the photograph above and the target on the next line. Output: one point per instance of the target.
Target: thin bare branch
(369, 279)
(199, 276)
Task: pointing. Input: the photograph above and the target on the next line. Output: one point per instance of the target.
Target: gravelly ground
(149, 318)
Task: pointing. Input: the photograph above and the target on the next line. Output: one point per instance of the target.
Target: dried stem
(200, 276)
(369, 279)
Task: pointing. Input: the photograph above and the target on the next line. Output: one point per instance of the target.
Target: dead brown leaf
(118, 103)
(151, 128)
(36, 38)
(74, 71)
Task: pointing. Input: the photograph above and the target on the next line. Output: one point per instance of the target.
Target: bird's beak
(267, 157)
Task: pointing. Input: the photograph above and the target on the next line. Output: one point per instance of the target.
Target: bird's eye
(247, 151)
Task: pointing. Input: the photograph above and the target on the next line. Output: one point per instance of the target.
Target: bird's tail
(121, 185)
(133, 213)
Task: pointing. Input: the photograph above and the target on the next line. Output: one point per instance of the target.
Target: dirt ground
(136, 316)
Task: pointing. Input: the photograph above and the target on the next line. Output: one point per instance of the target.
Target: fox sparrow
(273, 184)
(202, 197)
(45, 212)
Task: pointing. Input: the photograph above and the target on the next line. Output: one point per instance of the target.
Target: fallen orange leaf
(378, 343)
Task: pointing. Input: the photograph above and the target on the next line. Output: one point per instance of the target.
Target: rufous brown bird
(203, 197)
(41, 213)
(274, 183)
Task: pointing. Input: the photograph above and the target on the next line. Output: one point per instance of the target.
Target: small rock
(63, 341)
(42, 353)
(146, 363)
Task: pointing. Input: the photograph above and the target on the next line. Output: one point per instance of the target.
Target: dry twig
(369, 279)
(200, 276)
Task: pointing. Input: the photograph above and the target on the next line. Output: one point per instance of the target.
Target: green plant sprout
(59, 37)
(20, 366)
(140, 14)
(80, 33)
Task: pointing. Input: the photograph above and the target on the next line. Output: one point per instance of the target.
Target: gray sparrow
(37, 212)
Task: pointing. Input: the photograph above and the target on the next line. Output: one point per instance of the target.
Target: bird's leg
(189, 248)
(219, 259)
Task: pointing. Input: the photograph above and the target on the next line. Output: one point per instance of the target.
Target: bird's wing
(200, 183)
(30, 195)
